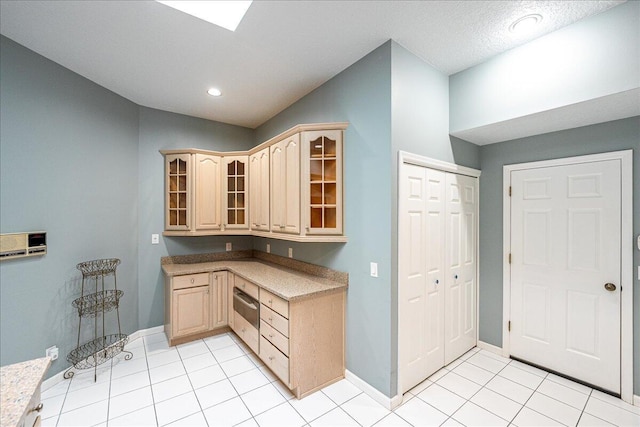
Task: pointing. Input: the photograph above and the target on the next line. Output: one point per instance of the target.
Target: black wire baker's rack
(94, 302)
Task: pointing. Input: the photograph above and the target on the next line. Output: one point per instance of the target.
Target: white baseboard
(388, 402)
(491, 348)
(636, 400)
(59, 377)
(145, 332)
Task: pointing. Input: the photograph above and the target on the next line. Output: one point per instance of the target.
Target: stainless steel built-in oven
(246, 306)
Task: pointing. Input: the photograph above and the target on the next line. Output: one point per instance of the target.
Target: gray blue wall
(360, 95)
(611, 136)
(419, 125)
(68, 166)
(161, 130)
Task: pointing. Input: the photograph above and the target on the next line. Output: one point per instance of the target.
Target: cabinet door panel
(178, 192)
(191, 309)
(285, 185)
(235, 194)
(207, 203)
(321, 204)
(259, 190)
(219, 301)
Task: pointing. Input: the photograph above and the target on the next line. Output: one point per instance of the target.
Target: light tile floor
(219, 382)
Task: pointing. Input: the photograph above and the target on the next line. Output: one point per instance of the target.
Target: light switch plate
(155, 239)
(268, 248)
(290, 252)
(374, 269)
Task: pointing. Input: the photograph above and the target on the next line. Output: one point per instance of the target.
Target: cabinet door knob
(307, 228)
(437, 281)
(455, 277)
(270, 335)
(271, 319)
(271, 358)
(270, 302)
(244, 329)
(37, 408)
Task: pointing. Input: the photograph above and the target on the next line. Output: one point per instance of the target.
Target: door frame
(405, 157)
(626, 252)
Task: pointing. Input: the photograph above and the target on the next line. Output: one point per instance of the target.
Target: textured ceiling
(161, 58)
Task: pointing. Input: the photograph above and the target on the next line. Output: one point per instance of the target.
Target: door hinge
(509, 326)
(509, 191)
(509, 258)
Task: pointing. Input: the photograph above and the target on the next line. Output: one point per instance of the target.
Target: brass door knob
(610, 287)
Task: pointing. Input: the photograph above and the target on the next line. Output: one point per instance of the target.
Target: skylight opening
(225, 14)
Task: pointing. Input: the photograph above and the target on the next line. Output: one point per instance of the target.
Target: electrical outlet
(374, 269)
(290, 252)
(228, 246)
(52, 352)
(268, 248)
(155, 239)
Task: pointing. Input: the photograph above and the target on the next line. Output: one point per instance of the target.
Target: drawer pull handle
(193, 280)
(270, 302)
(271, 319)
(37, 408)
(270, 335)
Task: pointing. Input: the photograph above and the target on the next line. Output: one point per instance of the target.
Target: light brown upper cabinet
(259, 189)
(322, 182)
(285, 185)
(236, 192)
(289, 187)
(207, 190)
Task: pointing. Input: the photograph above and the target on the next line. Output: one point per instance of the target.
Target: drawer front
(246, 286)
(190, 281)
(246, 331)
(274, 360)
(274, 320)
(275, 337)
(275, 303)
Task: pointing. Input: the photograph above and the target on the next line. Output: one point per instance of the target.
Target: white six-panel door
(421, 290)
(437, 270)
(460, 259)
(565, 270)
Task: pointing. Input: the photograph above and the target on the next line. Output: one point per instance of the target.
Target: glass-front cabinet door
(236, 192)
(322, 204)
(178, 191)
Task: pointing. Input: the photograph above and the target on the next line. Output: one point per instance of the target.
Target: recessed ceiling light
(214, 91)
(226, 14)
(525, 24)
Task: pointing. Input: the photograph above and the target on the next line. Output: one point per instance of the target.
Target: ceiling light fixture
(525, 24)
(225, 14)
(214, 91)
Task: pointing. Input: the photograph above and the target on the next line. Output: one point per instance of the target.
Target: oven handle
(242, 299)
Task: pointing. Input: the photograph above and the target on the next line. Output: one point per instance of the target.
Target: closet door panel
(460, 282)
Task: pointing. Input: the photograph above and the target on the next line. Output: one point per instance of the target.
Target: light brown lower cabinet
(301, 341)
(195, 306)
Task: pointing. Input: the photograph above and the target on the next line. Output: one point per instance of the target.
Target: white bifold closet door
(437, 270)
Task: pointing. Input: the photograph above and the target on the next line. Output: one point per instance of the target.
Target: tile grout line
(146, 361)
(481, 388)
(524, 405)
(193, 390)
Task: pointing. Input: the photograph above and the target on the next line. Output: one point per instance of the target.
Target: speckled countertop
(18, 383)
(284, 282)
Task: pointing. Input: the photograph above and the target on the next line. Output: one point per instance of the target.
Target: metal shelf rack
(94, 305)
